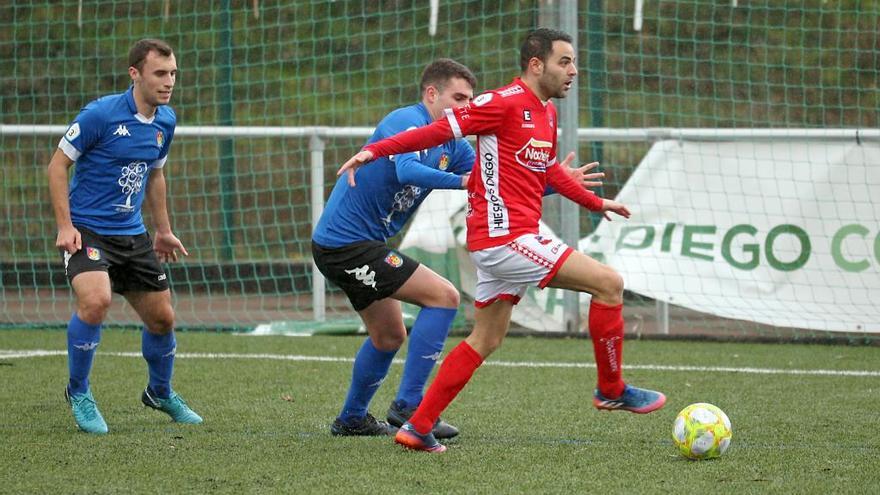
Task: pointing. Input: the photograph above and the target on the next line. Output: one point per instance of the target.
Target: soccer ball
(701, 431)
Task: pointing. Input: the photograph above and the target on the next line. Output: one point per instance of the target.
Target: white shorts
(505, 272)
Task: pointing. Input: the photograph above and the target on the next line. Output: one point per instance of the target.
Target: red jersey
(516, 153)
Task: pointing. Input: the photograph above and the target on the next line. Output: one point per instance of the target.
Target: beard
(554, 89)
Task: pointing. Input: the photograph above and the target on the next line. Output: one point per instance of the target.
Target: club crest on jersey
(534, 155)
(393, 259)
(444, 162)
(160, 138)
(93, 253)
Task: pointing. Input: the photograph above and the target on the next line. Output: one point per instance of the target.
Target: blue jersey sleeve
(463, 157)
(410, 170)
(83, 133)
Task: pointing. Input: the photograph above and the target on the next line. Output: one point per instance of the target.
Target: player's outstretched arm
(438, 132)
(69, 238)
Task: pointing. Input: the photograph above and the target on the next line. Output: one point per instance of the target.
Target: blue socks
(370, 368)
(425, 344)
(82, 341)
(158, 350)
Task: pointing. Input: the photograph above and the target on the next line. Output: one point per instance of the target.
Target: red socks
(606, 330)
(453, 375)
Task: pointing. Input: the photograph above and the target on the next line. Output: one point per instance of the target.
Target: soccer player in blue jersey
(119, 144)
(349, 248)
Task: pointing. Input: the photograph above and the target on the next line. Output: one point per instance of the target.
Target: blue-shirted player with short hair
(349, 248)
(119, 144)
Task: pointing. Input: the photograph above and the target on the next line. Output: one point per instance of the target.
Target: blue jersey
(390, 190)
(114, 148)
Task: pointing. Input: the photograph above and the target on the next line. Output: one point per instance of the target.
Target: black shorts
(129, 260)
(365, 271)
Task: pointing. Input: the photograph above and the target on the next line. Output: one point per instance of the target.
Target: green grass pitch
(526, 420)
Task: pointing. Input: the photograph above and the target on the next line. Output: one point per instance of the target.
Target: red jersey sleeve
(433, 134)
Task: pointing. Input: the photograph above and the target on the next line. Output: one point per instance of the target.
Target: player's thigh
(582, 273)
(154, 309)
(93, 295)
(426, 288)
(490, 326)
(383, 320)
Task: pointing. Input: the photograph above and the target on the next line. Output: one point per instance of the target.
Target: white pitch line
(20, 354)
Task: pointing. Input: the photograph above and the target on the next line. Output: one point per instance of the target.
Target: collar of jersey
(129, 98)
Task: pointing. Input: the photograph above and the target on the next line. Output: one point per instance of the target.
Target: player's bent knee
(611, 288)
(387, 343)
(162, 323)
(485, 344)
(450, 296)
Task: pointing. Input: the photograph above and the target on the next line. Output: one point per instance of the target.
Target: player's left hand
(582, 174)
(353, 163)
(166, 245)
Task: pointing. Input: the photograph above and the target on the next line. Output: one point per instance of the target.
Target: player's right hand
(69, 239)
(614, 206)
(353, 164)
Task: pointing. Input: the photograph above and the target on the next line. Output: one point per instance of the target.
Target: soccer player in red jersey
(516, 159)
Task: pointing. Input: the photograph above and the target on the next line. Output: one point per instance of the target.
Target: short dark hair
(539, 44)
(440, 71)
(139, 51)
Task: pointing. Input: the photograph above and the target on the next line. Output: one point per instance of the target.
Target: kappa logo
(432, 357)
(86, 347)
(534, 155)
(122, 131)
(364, 275)
(161, 277)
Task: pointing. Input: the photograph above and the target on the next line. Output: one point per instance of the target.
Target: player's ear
(133, 72)
(536, 65)
(431, 94)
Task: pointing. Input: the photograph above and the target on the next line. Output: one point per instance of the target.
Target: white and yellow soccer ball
(701, 431)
